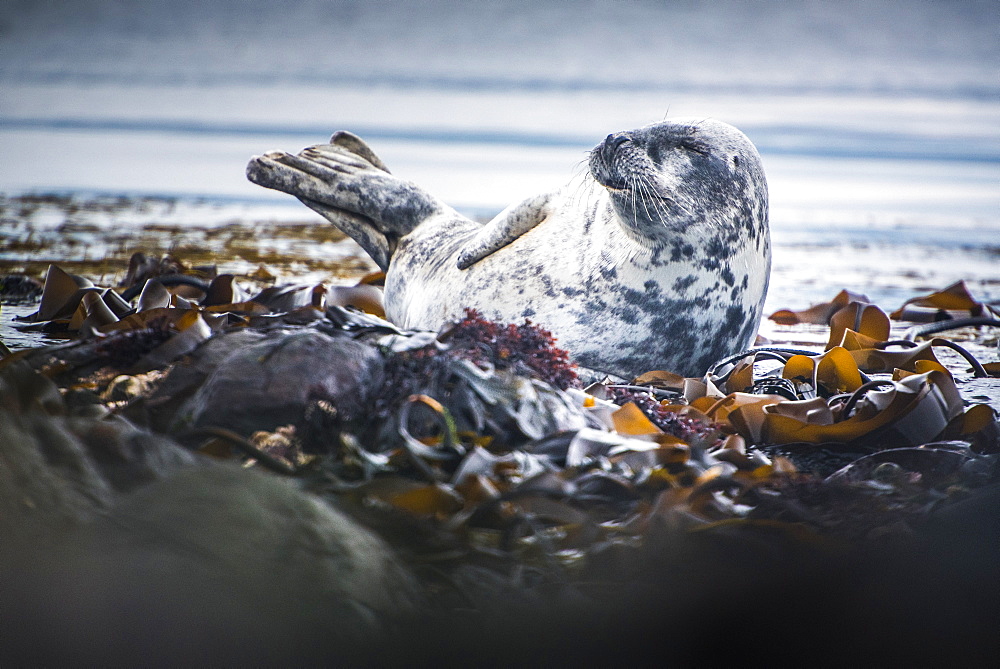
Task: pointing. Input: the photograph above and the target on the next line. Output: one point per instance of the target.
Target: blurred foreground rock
(120, 546)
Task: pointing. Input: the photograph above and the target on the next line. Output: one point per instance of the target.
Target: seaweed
(524, 349)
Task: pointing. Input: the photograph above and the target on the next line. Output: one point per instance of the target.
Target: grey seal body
(659, 259)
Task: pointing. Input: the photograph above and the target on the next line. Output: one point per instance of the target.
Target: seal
(659, 258)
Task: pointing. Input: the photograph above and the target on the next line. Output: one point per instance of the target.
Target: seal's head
(666, 177)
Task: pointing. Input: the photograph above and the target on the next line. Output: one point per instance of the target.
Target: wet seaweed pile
(513, 494)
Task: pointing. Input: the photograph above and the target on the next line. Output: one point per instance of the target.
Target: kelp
(955, 301)
(817, 398)
(818, 314)
(481, 433)
(162, 311)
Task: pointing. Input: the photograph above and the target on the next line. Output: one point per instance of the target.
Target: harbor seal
(659, 259)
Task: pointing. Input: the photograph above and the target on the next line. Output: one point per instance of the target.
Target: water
(878, 122)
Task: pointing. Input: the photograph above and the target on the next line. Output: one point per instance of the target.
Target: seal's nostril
(611, 144)
(614, 140)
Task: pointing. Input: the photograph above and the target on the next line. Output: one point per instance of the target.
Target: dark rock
(269, 383)
(120, 546)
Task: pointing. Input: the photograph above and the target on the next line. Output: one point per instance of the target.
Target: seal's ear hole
(736, 161)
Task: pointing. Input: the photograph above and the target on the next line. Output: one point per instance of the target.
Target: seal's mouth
(634, 187)
(637, 197)
(619, 184)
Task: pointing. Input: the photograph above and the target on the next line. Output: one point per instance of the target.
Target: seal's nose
(616, 139)
(611, 144)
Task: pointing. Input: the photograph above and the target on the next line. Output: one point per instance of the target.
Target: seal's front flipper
(356, 145)
(507, 226)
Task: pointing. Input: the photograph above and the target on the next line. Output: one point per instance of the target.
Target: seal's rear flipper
(360, 229)
(347, 184)
(356, 145)
(505, 227)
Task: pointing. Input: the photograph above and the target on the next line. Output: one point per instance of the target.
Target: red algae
(525, 349)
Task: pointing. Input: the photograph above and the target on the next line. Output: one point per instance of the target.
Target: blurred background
(878, 121)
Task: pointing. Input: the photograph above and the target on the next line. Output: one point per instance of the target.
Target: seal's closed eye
(694, 146)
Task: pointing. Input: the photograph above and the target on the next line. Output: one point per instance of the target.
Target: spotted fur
(658, 259)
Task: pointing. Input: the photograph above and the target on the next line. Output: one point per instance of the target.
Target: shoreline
(887, 258)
